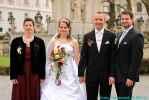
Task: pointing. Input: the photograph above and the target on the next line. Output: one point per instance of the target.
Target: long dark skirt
(28, 87)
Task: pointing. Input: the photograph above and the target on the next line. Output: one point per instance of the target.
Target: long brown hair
(68, 23)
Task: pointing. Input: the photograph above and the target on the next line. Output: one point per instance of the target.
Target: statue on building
(77, 7)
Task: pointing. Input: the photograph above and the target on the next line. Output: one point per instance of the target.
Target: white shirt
(124, 33)
(99, 36)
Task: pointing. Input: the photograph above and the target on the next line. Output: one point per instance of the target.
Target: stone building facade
(81, 11)
(21, 9)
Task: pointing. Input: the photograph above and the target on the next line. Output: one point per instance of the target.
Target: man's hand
(129, 83)
(111, 80)
(82, 79)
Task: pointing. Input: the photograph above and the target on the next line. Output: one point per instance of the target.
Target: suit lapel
(104, 39)
(118, 38)
(126, 37)
(93, 37)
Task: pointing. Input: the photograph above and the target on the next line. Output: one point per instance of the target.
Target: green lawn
(4, 61)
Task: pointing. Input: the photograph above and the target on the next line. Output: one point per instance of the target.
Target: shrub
(144, 66)
(4, 70)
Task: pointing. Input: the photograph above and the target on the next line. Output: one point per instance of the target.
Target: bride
(62, 82)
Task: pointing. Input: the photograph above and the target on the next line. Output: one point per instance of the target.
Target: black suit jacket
(37, 57)
(97, 64)
(128, 56)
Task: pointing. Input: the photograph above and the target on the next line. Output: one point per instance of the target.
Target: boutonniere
(125, 43)
(107, 42)
(19, 50)
(90, 42)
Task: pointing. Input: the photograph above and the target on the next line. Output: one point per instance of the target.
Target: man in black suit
(128, 55)
(96, 55)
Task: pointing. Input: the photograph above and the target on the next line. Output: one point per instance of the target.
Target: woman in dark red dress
(27, 64)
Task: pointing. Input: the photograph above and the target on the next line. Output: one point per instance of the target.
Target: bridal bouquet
(58, 56)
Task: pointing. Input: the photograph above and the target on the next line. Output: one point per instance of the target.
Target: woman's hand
(15, 81)
(41, 80)
(82, 79)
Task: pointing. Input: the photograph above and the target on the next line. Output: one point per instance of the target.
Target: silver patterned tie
(122, 36)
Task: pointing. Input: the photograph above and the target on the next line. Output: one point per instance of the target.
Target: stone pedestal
(77, 28)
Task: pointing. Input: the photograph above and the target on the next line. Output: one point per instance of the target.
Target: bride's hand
(61, 61)
(41, 80)
(82, 79)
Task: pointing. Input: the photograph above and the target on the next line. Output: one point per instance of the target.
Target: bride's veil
(48, 54)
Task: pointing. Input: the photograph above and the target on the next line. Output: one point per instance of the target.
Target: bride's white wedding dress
(70, 88)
